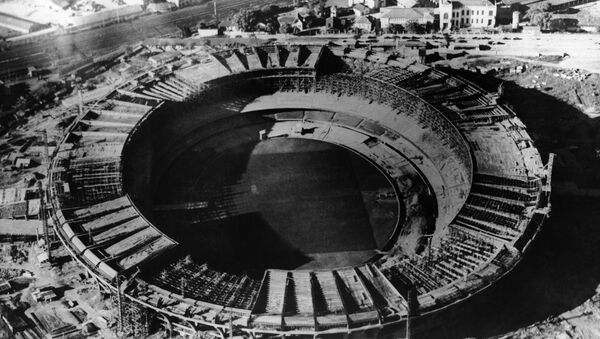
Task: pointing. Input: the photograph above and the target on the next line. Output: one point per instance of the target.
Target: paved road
(106, 39)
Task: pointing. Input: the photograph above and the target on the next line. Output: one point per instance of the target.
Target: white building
(402, 16)
(364, 24)
(360, 10)
(466, 14)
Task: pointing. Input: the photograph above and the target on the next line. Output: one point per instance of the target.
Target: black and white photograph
(313, 169)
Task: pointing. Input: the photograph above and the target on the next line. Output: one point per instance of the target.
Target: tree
(320, 10)
(429, 27)
(561, 24)
(286, 28)
(539, 14)
(246, 19)
(414, 27)
(395, 29)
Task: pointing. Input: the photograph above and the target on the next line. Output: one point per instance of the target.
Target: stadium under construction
(297, 190)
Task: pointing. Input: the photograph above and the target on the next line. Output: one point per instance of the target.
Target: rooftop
(20, 227)
(407, 13)
(471, 3)
(361, 7)
(363, 20)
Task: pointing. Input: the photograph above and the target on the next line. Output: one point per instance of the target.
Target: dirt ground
(69, 281)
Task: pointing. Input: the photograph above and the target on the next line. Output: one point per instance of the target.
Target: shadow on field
(240, 244)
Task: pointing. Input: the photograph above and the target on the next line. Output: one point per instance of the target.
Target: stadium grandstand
(471, 187)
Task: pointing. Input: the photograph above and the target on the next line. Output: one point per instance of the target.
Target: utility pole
(408, 313)
(215, 10)
(42, 216)
(42, 212)
(119, 305)
(230, 327)
(80, 100)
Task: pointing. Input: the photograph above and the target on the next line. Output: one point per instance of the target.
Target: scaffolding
(134, 319)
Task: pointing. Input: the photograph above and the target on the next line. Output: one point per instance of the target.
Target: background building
(466, 13)
(402, 16)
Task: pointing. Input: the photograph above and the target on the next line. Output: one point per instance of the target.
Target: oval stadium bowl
(297, 190)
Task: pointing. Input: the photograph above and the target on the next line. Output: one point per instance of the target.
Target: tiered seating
(459, 255)
(451, 94)
(503, 193)
(273, 56)
(464, 252)
(103, 207)
(358, 301)
(165, 87)
(350, 86)
(423, 280)
(202, 283)
(490, 179)
(245, 294)
(254, 59)
(431, 89)
(331, 300)
(181, 86)
(354, 286)
(225, 288)
(299, 311)
(329, 307)
(311, 59)
(128, 227)
(397, 278)
(94, 181)
(302, 292)
(167, 91)
(383, 292)
(237, 102)
(147, 251)
(136, 240)
(500, 232)
(199, 74)
(100, 150)
(236, 62)
(488, 216)
(110, 219)
(293, 56)
(119, 105)
(495, 205)
(416, 81)
(277, 284)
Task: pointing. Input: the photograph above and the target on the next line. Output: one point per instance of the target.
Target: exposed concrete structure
(489, 185)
